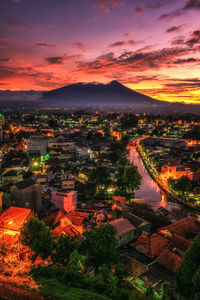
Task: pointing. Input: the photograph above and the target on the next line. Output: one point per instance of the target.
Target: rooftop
(14, 217)
(122, 225)
(25, 183)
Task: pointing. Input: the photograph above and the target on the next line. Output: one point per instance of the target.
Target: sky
(151, 46)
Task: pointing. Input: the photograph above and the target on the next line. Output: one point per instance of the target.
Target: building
(68, 184)
(169, 244)
(11, 222)
(152, 245)
(36, 144)
(174, 170)
(118, 200)
(11, 176)
(125, 230)
(27, 194)
(72, 223)
(64, 201)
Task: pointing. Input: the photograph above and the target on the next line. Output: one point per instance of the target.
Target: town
(108, 202)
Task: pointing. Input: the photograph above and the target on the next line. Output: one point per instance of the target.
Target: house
(27, 194)
(64, 201)
(72, 223)
(170, 260)
(152, 245)
(36, 143)
(169, 244)
(68, 184)
(140, 224)
(174, 170)
(125, 230)
(11, 176)
(42, 179)
(187, 228)
(12, 221)
(118, 200)
(154, 278)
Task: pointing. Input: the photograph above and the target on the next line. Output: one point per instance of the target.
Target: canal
(151, 194)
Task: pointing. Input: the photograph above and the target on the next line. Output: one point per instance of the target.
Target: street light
(35, 163)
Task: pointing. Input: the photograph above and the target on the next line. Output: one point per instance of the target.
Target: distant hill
(89, 95)
(111, 94)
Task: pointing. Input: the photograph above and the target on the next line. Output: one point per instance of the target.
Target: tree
(167, 291)
(36, 235)
(128, 179)
(121, 271)
(99, 178)
(183, 185)
(76, 261)
(187, 283)
(64, 246)
(100, 244)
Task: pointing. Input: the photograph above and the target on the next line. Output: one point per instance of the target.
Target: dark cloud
(59, 60)
(185, 84)
(2, 60)
(55, 60)
(15, 24)
(4, 38)
(186, 60)
(45, 45)
(190, 4)
(44, 79)
(138, 10)
(107, 4)
(171, 15)
(174, 28)
(195, 38)
(123, 43)
(135, 61)
(178, 41)
(80, 46)
(152, 4)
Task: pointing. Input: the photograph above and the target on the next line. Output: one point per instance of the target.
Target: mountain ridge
(113, 93)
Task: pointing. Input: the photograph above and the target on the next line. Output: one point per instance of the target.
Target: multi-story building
(64, 201)
(27, 194)
(36, 144)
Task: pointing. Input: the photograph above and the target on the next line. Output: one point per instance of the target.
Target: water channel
(151, 194)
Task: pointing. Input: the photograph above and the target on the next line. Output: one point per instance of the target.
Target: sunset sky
(152, 46)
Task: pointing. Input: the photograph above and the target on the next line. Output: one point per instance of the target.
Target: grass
(57, 290)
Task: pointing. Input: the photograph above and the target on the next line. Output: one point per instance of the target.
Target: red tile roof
(59, 216)
(169, 260)
(186, 227)
(77, 217)
(122, 225)
(66, 230)
(14, 217)
(179, 242)
(152, 245)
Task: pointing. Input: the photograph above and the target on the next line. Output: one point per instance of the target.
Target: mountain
(111, 94)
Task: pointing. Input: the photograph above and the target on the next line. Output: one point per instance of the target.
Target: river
(151, 194)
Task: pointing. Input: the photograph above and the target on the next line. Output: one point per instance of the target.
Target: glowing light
(10, 222)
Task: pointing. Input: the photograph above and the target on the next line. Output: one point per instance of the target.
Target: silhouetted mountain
(111, 94)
